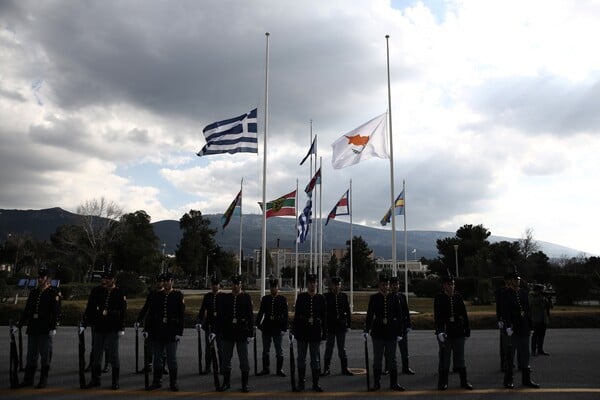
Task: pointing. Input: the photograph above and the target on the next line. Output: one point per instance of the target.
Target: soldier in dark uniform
(503, 337)
(272, 320)
(403, 343)
(517, 324)
(339, 322)
(165, 329)
(235, 327)
(308, 327)
(207, 317)
(159, 287)
(385, 326)
(105, 312)
(452, 329)
(41, 317)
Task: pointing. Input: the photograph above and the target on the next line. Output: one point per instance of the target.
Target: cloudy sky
(495, 106)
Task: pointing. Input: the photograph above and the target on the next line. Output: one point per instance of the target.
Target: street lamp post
(456, 258)
(206, 274)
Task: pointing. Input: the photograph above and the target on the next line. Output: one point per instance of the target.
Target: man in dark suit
(339, 321)
(272, 320)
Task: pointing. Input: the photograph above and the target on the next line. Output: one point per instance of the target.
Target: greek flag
(234, 135)
(304, 221)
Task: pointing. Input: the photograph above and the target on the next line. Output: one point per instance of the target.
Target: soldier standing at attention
(272, 320)
(452, 329)
(339, 321)
(384, 324)
(403, 343)
(540, 306)
(105, 312)
(235, 327)
(159, 287)
(503, 337)
(41, 315)
(517, 324)
(308, 328)
(207, 317)
(165, 330)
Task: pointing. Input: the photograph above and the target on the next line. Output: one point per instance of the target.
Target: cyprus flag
(364, 142)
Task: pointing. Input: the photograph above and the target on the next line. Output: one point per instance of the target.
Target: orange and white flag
(362, 143)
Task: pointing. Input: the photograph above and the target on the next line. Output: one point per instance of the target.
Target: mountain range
(281, 232)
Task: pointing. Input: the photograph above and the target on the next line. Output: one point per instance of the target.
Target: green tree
(470, 240)
(364, 266)
(196, 245)
(504, 256)
(135, 245)
(333, 266)
(537, 267)
(70, 250)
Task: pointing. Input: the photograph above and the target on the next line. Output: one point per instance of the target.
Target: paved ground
(572, 370)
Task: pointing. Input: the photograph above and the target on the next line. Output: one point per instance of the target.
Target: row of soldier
(228, 321)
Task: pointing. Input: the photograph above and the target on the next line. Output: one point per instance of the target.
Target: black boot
(95, 382)
(405, 368)
(156, 379)
(43, 377)
(508, 377)
(345, 370)
(376, 380)
(394, 381)
(326, 371)
(226, 381)
(266, 364)
(115, 378)
(526, 374)
(29, 374)
(443, 379)
(316, 373)
(463, 379)
(301, 378)
(173, 380)
(245, 382)
(280, 366)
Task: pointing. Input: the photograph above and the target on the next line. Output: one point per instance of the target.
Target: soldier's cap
(394, 279)
(335, 280)
(384, 278)
(511, 275)
(214, 280)
(43, 272)
(311, 278)
(108, 274)
(273, 282)
(236, 279)
(167, 276)
(159, 278)
(447, 279)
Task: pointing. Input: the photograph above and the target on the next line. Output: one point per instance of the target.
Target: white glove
(121, 333)
(52, 332)
(500, 324)
(198, 327)
(441, 337)
(178, 338)
(398, 338)
(347, 330)
(282, 333)
(14, 330)
(81, 329)
(145, 335)
(365, 335)
(249, 340)
(136, 325)
(212, 337)
(408, 330)
(509, 331)
(291, 338)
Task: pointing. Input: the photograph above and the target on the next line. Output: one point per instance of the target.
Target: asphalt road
(572, 370)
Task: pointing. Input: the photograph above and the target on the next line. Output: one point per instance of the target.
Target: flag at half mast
(316, 179)
(398, 209)
(341, 208)
(234, 135)
(235, 208)
(281, 207)
(366, 141)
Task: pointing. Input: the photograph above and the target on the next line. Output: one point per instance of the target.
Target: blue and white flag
(234, 135)
(304, 221)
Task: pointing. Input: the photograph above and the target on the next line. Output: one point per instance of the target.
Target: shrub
(570, 288)
(427, 288)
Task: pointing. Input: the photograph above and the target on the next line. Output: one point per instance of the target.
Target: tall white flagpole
(320, 227)
(241, 214)
(351, 256)
(263, 254)
(405, 246)
(311, 226)
(296, 267)
(395, 267)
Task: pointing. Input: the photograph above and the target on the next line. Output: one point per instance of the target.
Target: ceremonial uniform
(517, 324)
(451, 329)
(339, 321)
(207, 317)
(41, 315)
(272, 320)
(105, 313)
(503, 337)
(308, 328)
(235, 327)
(384, 324)
(165, 330)
(406, 322)
(144, 311)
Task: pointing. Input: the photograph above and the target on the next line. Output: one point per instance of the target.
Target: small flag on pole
(316, 179)
(341, 208)
(364, 142)
(304, 221)
(235, 208)
(234, 135)
(281, 207)
(398, 209)
(312, 150)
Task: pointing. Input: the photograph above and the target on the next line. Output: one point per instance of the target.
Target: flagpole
(241, 215)
(405, 245)
(296, 268)
(395, 267)
(321, 227)
(263, 254)
(311, 227)
(351, 257)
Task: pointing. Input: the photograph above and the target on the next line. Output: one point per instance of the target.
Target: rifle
(255, 358)
(14, 359)
(367, 364)
(146, 363)
(21, 350)
(137, 350)
(292, 366)
(200, 352)
(81, 348)
(215, 363)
